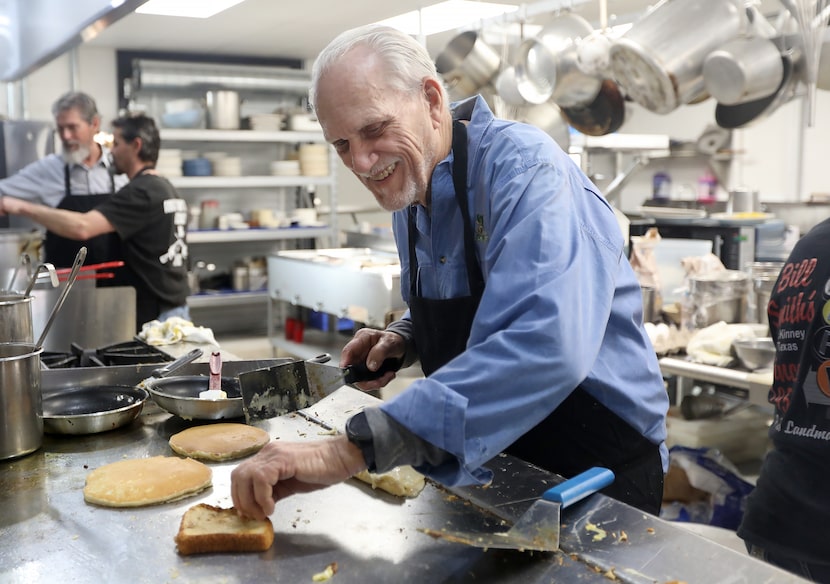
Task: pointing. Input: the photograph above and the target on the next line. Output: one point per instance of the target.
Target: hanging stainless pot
(467, 64)
(547, 116)
(547, 66)
(743, 114)
(742, 70)
(658, 62)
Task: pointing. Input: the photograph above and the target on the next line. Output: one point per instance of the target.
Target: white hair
(406, 61)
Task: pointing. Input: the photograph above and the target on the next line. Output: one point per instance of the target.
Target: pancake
(146, 481)
(218, 442)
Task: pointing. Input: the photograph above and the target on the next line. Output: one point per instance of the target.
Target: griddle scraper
(538, 528)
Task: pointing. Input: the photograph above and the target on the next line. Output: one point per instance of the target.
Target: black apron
(61, 251)
(581, 432)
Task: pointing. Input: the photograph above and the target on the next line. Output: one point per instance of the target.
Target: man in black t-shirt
(147, 214)
(787, 518)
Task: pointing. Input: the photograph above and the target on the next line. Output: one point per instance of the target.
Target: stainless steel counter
(49, 534)
(757, 384)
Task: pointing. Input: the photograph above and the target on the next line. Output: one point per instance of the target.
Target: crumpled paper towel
(175, 330)
(713, 344)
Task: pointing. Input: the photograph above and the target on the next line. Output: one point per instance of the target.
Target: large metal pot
(21, 405)
(659, 60)
(222, 109)
(744, 69)
(719, 296)
(547, 66)
(467, 64)
(15, 318)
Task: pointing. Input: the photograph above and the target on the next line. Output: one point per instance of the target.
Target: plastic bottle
(707, 186)
(661, 186)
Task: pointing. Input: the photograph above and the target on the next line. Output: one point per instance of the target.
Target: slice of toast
(208, 529)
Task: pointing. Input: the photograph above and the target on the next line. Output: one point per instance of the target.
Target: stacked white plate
(267, 122)
(285, 168)
(227, 166)
(169, 163)
(314, 159)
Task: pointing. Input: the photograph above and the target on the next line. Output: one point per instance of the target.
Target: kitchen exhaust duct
(156, 74)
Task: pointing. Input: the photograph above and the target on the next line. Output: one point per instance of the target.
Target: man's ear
(96, 124)
(435, 99)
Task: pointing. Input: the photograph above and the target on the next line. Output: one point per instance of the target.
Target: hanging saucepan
(547, 66)
(604, 115)
(467, 64)
(658, 62)
(742, 114)
(547, 116)
(743, 70)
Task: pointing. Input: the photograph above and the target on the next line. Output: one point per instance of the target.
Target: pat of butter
(213, 394)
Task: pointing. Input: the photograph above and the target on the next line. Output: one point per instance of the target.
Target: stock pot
(15, 317)
(21, 405)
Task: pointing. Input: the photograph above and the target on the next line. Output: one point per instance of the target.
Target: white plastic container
(668, 254)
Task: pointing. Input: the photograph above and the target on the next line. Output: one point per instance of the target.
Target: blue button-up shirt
(561, 308)
(43, 181)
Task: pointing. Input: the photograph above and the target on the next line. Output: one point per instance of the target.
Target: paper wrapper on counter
(644, 262)
(175, 330)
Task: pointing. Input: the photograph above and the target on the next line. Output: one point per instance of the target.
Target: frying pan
(92, 409)
(604, 115)
(179, 395)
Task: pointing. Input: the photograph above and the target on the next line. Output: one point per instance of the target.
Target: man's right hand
(373, 347)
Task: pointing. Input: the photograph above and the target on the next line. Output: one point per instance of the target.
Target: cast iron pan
(179, 395)
(602, 116)
(89, 410)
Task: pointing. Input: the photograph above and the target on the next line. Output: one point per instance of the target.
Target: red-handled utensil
(101, 276)
(101, 266)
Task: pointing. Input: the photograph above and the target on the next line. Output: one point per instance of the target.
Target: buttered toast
(208, 529)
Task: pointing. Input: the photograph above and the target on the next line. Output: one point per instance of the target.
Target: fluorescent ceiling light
(447, 15)
(186, 8)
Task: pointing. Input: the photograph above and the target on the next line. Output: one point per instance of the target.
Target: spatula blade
(274, 391)
(538, 528)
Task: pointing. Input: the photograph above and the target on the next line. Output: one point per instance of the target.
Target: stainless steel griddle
(51, 535)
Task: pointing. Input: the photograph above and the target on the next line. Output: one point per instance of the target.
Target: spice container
(210, 214)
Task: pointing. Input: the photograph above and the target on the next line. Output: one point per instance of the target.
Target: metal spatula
(538, 528)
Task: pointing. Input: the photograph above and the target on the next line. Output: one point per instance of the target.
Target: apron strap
(475, 280)
(66, 184)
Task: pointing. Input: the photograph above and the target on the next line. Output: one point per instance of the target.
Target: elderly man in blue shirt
(524, 312)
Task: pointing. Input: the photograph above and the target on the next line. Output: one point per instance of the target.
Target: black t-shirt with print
(789, 510)
(151, 218)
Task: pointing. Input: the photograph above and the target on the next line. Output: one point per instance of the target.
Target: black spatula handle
(360, 372)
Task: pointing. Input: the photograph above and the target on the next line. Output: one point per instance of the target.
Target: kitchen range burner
(126, 353)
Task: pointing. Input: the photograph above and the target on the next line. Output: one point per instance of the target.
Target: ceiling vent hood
(33, 33)
(156, 74)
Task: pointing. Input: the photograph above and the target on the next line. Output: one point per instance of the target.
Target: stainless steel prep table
(49, 534)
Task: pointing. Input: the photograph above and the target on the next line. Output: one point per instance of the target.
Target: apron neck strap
(459, 178)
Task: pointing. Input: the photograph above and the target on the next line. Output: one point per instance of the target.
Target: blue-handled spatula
(538, 528)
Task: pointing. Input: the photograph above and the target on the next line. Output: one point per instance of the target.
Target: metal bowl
(90, 410)
(756, 353)
(179, 395)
